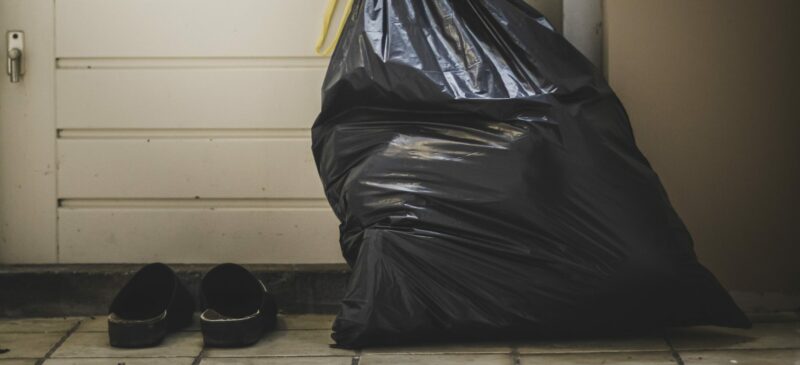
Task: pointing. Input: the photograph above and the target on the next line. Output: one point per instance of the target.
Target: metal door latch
(16, 46)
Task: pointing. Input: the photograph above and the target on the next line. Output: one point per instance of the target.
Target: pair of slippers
(238, 309)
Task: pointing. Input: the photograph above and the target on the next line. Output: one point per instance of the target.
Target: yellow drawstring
(326, 23)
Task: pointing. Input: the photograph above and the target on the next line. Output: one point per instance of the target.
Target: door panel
(187, 28)
(270, 96)
(204, 168)
(27, 139)
(184, 132)
(198, 235)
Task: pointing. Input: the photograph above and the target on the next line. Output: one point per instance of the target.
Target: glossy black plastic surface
(488, 185)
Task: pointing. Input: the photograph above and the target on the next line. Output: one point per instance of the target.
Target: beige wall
(553, 10)
(711, 87)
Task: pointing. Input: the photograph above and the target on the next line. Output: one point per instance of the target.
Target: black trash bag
(488, 185)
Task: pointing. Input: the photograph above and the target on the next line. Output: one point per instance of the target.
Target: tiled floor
(304, 340)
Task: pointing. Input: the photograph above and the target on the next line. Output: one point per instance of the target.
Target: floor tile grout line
(59, 343)
(675, 355)
(515, 357)
(356, 358)
(199, 357)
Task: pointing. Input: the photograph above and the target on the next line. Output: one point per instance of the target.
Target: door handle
(16, 46)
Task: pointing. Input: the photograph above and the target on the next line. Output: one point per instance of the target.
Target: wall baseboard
(760, 302)
(79, 290)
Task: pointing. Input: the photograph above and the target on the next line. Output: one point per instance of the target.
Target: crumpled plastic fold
(489, 186)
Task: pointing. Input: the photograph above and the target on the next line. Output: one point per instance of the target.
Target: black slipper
(238, 307)
(153, 303)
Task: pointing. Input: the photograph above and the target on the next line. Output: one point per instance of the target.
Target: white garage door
(169, 130)
(184, 132)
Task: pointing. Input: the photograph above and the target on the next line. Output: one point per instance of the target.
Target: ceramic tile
(27, 345)
(18, 362)
(279, 361)
(761, 336)
(607, 358)
(645, 343)
(436, 359)
(443, 348)
(95, 345)
(742, 357)
(286, 343)
(122, 360)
